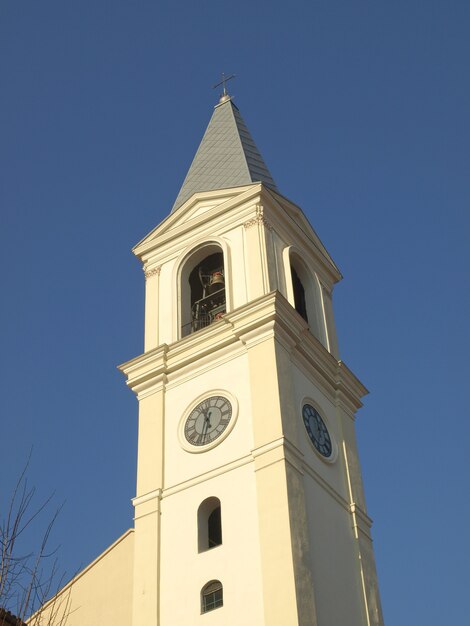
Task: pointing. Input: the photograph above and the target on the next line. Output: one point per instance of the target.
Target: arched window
(203, 298)
(212, 596)
(306, 297)
(209, 523)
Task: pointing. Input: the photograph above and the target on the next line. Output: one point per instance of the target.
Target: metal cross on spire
(223, 82)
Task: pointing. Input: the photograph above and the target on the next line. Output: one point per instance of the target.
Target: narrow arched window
(212, 596)
(203, 297)
(209, 522)
(214, 528)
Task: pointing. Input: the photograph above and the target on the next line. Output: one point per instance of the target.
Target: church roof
(227, 156)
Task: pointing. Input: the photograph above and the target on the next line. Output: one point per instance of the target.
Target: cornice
(245, 206)
(212, 473)
(178, 227)
(309, 353)
(259, 218)
(349, 388)
(279, 450)
(147, 372)
(284, 450)
(147, 497)
(206, 363)
(158, 365)
(290, 221)
(218, 221)
(175, 217)
(268, 317)
(308, 470)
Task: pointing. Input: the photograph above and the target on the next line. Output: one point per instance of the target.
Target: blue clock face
(317, 430)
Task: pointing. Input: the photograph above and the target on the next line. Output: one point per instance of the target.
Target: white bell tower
(249, 508)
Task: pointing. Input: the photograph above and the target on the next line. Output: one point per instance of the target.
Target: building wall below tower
(101, 593)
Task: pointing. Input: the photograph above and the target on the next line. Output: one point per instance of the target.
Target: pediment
(284, 207)
(209, 205)
(193, 210)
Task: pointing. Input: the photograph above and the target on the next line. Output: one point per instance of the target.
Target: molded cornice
(269, 317)
(228, 208)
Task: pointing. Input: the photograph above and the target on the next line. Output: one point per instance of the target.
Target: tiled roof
(226, 157)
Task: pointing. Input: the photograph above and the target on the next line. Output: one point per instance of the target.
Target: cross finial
(223, 82)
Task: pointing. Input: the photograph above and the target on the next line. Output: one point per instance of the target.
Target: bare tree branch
(29, 577)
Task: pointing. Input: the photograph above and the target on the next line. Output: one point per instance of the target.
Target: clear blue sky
(361, 111)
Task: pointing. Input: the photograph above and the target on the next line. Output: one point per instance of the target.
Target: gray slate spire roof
(226, 157)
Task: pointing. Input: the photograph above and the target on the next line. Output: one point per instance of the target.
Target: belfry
(249, 505)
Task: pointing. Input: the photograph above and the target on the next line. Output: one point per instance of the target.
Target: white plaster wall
(167, 299)
(231, 376)
(236, 563)
(102, 593)
(236, 278)
(334, 560)
(332, 473)
(334, 552)
(227, 472)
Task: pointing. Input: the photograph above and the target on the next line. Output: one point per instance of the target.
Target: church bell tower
(249, 509)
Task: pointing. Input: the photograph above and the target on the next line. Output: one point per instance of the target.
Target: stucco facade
(293, 543)
(296, 546)
(101, 593)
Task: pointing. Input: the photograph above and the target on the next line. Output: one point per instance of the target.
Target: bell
(216, 283)
(217, 278)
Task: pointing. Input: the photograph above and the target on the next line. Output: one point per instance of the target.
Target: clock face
(208, 420)
(317, 431)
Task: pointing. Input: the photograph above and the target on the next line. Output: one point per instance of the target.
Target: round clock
(208, 420)
(317, 430)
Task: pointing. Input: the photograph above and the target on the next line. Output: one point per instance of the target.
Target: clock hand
(204, 430)
(206, 426)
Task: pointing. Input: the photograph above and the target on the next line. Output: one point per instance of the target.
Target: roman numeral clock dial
(208, 421)
(317, 431)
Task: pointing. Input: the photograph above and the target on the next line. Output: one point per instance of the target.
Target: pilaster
(152, 289)
(283, 526)
(147, 503)
(259, 254)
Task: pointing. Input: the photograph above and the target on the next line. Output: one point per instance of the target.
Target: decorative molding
(260, 320)
(156, 494)
(258, 219)
(153, 272)
(330, 489)
(218, 471)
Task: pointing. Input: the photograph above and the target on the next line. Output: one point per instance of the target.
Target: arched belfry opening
(203, 295)
(306, 296)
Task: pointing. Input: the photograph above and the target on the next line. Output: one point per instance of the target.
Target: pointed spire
(226, 157)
